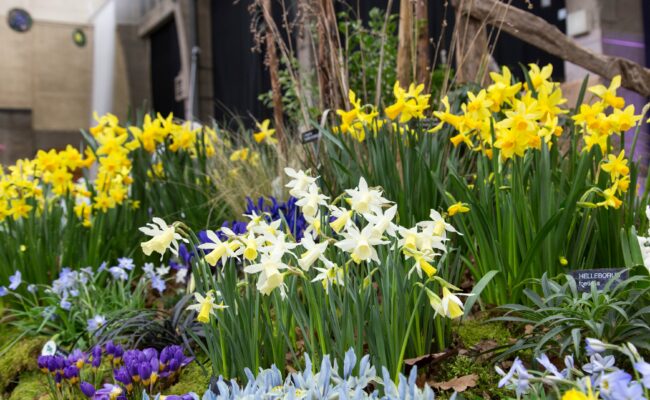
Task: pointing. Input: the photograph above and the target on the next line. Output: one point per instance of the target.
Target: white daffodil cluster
(360, 223)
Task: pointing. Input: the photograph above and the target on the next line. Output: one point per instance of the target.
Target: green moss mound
(30, 386)
(191, 380)
(19, 358)
(472, 332)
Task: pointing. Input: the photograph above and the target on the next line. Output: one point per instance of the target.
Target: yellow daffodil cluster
(516, 118)
(31, 184)
(606, 117)
(361, 224)
(359, 118)
(520, 119)
(409, 104)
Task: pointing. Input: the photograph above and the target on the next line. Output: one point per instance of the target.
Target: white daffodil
(427, 240)
(277, 245)
(218, 250)
(311, 200)
(313, 228)
(255, 220)
(163, 237)
(251, 244)
(364, 200)
(409, 238)
(313, 253)
(330, 275)
(342, 218)
(383, 222)
(205, 306)
(422, 262)
(270, 276)
(299, 183)
(438, 225)
(360, 244)
(449, 306)
(267, 229)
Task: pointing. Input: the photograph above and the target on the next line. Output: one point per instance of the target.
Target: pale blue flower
(643, 368)
(158, 283)
(65, 304)
(118, 273)
(125, 263)
(550, 368)
(102, 267)
(3, 291)
(599, 364)
(148, 268)
(594, 346)
(31, 288)
(518, 376)
(15, 280)
(95, 323)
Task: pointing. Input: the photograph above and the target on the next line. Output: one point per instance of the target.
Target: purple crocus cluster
(133, 370)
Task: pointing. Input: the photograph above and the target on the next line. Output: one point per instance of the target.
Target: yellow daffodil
(265, 133)
(205, 306)
(457, 208)
(608, 93)
(540, 78)
(616, 166)
(610, 198)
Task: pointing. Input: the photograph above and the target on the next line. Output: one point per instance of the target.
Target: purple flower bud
(42, 363)
(150, 353)
(87, 389)
(122, 375)
(166, 354)
(174, 365)
(71, 372)
(144, 370)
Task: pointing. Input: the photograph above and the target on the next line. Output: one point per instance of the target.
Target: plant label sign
(49, 349)
(585, 277)
(311, 135)
(429, 123)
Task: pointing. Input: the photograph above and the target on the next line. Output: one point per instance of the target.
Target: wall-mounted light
(79, 37)
(19, 20)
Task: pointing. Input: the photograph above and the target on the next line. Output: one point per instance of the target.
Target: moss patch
(473, 332)
(30, 386)
(192, 380)
(21, 357)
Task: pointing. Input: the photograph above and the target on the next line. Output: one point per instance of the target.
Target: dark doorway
(165, 67)
(239, 73)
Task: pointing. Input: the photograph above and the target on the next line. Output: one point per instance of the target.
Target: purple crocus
(71, 374)
(96, 355)
(87, 389)
(109, 392)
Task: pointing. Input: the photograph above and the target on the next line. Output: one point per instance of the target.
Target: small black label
(429, 123)
(311, 135)
(585, 277)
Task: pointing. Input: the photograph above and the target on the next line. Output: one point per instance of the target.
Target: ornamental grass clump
(356, 279)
